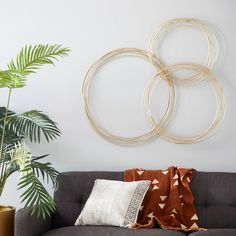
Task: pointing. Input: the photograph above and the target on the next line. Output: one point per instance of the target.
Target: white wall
(91, 28)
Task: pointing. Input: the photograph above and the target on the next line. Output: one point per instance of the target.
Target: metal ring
(220, 111)
(189, 22)
(102, 131)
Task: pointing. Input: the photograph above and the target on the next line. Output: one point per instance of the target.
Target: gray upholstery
(215, 200)
(109, 231)
(216, 232)
(75, 190)
(26, 225)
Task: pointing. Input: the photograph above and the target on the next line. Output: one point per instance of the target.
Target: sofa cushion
(109, 231)
(113, 202)
(215, 199)
(215, 232)
(73, 193)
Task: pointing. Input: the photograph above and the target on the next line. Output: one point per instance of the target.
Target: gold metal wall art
(166, 27)
(167, 73)
(85, 91)
(220, 99)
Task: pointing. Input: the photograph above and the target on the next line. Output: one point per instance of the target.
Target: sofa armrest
(27, 225)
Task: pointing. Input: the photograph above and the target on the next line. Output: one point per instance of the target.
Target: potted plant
(15, 155)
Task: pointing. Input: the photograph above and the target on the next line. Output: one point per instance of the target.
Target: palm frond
(7, 149)
(33, 124)
(45, 170)
(32, 58)
(11, 79)
(10, 139)
(35, 196)
(3, 111)
(4, 79)
(20, 155)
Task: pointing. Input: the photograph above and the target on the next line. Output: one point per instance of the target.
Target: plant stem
(2, 163)
(5, 121)
(4, 180)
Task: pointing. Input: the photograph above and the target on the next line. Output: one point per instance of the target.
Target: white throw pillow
(113, 203)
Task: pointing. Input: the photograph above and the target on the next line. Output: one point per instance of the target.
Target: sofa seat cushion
(109, 231)
(215, 232)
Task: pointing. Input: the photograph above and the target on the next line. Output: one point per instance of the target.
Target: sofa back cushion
(214, 193)
(74, 190)
(215, 199)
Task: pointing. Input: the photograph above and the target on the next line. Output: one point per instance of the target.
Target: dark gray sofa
(214, 193)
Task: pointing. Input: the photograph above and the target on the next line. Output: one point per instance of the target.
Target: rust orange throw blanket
(169, 200)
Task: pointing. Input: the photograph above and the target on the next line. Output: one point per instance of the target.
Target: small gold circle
(220, 110)
(212, 44)
(102, 131)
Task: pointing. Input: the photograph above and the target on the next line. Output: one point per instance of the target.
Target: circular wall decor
(158, 35)
(219, 114)
(102, 131)
(166, 73)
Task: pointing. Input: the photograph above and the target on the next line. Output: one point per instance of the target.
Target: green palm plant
(15, 155)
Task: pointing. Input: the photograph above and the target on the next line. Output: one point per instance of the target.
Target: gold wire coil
(158, 35)
(102, 131)
(220, 109)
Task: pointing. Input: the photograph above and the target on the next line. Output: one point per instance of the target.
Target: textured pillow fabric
(113, 203)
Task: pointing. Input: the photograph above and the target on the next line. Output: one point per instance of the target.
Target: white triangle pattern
(140, 172)
(176, 176)
(183, 226)
(174, 211)
(150, 215)
(155, 187)
(155, 181)
(176, 183)
(194, 217)
(163, 198)
(194, 226)
(162, 205)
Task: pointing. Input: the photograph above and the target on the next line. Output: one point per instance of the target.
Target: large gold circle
(212, 44)
(220, 110)
(102, 131)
